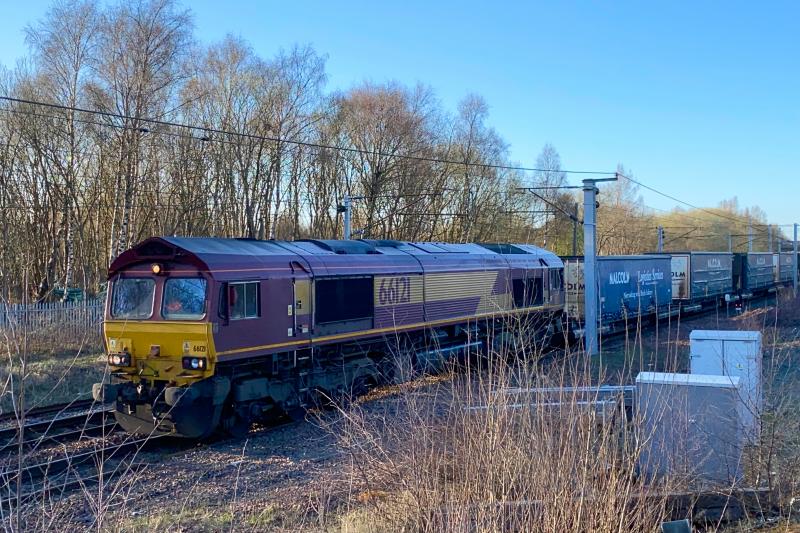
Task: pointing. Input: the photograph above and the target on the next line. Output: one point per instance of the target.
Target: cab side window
(556, 280)
(243, 300)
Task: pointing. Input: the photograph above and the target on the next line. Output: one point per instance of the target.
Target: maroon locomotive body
(206, 333)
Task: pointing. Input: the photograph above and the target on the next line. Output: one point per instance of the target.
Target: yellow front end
(158, 350)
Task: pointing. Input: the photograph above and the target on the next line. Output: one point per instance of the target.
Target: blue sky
(698, 99)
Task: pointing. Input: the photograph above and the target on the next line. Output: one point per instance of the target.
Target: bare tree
(143, 47)
(624, 224)
(63, 46)
(270, 153)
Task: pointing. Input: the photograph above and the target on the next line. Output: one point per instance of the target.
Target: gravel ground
(285, 478)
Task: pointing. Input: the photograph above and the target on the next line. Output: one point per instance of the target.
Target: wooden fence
(67, 322)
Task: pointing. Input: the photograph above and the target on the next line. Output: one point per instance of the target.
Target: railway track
(51, 424)
(66, 472)
(86, 419)
(73, 428)
(69, 471)
(47, 410)
(79, 421)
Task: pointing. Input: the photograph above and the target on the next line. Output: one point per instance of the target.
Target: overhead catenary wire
(206, 136)
(674, 199)
(571, 216)
(211, 130)
(703, 223)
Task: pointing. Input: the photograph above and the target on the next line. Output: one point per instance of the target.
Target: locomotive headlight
(195, 363)
(156, 268)
(119, 359)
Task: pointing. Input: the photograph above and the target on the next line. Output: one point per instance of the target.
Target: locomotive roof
(654, 255)
(237, 255)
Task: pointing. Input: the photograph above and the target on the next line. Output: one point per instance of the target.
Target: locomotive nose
(175, 352)
(161, 368)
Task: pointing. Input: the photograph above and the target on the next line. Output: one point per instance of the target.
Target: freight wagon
(631, 288)
(754, 274)
(701, 279)
(784, 267)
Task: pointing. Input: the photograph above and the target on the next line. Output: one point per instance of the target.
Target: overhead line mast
(591, 299)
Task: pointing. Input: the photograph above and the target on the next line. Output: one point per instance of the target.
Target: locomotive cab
(157, 326)
(159, 344)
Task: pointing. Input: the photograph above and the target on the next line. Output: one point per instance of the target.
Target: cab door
(300, 308)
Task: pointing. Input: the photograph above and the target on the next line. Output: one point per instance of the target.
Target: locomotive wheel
(236, 425)
(361, 386)
(297, 413)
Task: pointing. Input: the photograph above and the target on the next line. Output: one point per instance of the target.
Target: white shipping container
(681, 283)
(776, 267)
(574, 288)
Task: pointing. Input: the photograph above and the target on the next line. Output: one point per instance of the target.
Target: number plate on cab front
(195, 348)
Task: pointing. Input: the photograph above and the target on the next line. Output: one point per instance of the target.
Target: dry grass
(472, 454)
(463, 451)
(54, 380)
(53, 365)
(433, 462)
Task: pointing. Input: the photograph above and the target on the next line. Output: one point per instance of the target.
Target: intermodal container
(629, 286)
(701, 276)
(784, 267)
(753, 272)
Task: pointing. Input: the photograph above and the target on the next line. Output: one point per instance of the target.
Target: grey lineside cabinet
(690, 427)
(733, 353)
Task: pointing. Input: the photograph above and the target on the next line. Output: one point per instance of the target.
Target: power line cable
(207, 130)
(757, 227)
(682, 201)
(252, 136)
(571, 216)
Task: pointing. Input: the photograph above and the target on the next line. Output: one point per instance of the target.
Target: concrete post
(591, 291)
(794, 257)
(660, 239)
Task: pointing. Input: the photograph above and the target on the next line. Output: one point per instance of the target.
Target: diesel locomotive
(207, 334)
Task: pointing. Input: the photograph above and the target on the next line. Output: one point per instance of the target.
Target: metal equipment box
(733, 353)
(690, 427)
